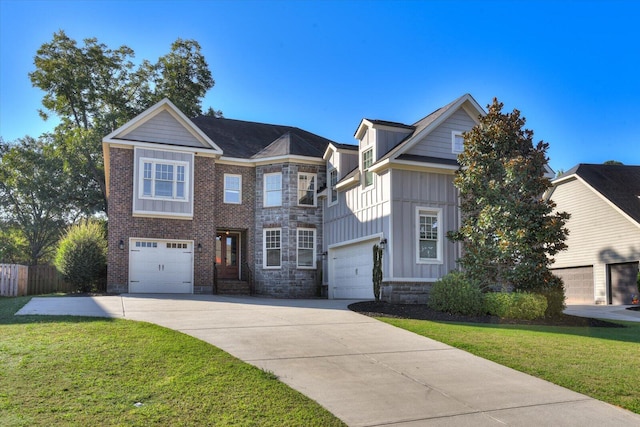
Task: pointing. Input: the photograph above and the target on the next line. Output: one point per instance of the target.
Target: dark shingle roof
(618, 183)
(242, 139)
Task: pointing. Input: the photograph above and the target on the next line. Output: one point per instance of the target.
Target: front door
(227, 255)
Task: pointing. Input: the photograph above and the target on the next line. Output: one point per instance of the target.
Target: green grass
(84, 371)
(603, 363)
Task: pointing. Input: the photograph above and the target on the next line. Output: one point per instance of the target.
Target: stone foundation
(405, 293)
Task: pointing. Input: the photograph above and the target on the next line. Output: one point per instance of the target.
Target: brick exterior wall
(123, 225)
(288, 281)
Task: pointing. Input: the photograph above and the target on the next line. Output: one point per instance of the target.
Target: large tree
(34, 199)
(94, 89)
(509, 231)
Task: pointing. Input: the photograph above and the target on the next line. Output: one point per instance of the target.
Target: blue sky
(571, 67)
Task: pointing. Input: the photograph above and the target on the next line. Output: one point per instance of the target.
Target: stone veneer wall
(123, 225)
(287, 281)
(405, 293)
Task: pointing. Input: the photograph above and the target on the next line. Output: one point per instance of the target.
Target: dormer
(341, 159)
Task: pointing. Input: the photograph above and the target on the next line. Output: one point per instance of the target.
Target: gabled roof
(252, 140)
(619, 184)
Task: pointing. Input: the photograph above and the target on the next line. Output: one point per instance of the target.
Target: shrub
(456, 295)
(515, 305)
(555, 301)
(82, 255)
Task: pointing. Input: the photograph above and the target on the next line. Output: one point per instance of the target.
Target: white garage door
(160, 266)
(351, 271)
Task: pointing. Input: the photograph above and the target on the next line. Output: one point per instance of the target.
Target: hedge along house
(194, 199)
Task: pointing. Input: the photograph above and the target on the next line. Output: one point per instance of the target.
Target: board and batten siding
(413, 189)
(164, 128)
(438, 143)
(387, 139)
(598, 233)
(162, 207)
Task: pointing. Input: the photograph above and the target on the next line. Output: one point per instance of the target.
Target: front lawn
(603, 363)
(86, 371)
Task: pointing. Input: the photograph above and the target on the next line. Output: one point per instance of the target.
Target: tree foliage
(509, 231)
(81, 256)
(94, 89)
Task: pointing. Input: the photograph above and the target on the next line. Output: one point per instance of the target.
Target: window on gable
(429, 235)
(333, 182)
(367, 161)
(272, 249)
(163, 180)
(306, 189)
(232, 188)
(306, 248)
(457, 142)
(273, 189)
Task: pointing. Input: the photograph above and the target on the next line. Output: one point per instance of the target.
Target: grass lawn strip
(58, 370)
(603, 363)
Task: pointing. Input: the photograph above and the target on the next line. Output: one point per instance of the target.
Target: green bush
(456, 295)
(81, 256)
(515, 305)
(555, 301)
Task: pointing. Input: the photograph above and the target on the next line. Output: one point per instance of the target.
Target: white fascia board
(332, 148)
(269, 160)
(364, 123)
(198, 151)
(348, 183)
(413, 165)
(356, 240)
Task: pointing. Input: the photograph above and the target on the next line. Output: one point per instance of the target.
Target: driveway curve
(366, 372)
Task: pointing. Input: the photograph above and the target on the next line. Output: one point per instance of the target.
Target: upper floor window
(367, 161)
(232, 188)
(164, 179)
(272, 248)
(457, 142)
(306, 189)
(333, 182)
(306, 248)
(429, 235)
(273, 189)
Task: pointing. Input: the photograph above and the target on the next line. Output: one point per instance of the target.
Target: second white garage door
(351, 271)
(160, 266)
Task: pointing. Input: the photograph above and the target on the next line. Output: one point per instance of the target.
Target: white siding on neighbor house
(412, 189)
(162, 207)
(438, 143)
(598, 233)
(163, 128)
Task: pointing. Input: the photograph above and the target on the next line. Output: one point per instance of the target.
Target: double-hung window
(306, 189)
(306, 248)
(232, 188)
(429, 235)
(457, 142)
(273, 189)
(367, 161)
(164, 180)
(333, 182)
(272, 248)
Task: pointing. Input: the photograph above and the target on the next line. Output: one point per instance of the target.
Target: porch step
(233, 287)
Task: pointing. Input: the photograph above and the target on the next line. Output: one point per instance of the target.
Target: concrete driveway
(365, 372)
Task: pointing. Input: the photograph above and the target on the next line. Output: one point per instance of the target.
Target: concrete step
(233, 287)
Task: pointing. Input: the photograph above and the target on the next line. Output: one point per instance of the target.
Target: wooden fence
(13, 280)
(18, 280)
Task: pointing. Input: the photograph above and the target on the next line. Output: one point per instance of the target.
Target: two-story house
(191, 200)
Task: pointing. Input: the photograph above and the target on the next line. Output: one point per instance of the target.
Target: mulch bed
(422, 312)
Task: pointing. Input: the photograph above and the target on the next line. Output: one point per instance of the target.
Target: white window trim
(454, 134)
(364, 171)
(264, 249)
(425, 210)
(315, 185)
(231, 175)
(154, 162)
(333, 189)
(264, 188)
(313, 262)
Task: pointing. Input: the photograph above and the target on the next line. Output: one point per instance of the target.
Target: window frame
(226, 189)
(454, 135)
(333, 187)
(314, 177)
(175, 164)
(265, 248)
(265, 191)
(425, 211)
(368, 175)
(312, 248)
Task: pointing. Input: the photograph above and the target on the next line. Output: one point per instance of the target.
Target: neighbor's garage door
(578, 284)
(622, 282)
(160, 266)
(351, 271)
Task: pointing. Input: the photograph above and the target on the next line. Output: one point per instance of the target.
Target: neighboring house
(601, 262)
(194, 198)
(396, 189)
